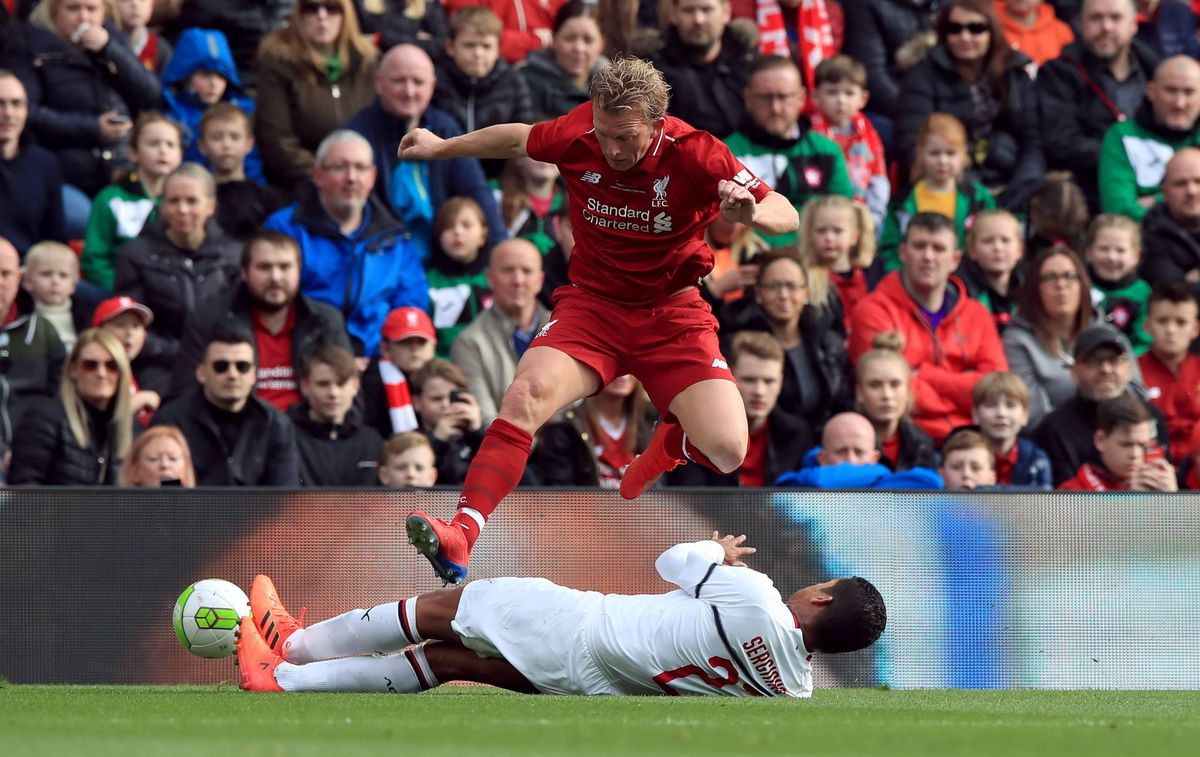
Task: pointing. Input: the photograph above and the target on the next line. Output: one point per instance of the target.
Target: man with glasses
(358, 257)
(236, 439)
(779, 146)
(950, 340)
(1103, 370)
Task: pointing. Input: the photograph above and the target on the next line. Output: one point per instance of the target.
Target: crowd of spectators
(215, 270)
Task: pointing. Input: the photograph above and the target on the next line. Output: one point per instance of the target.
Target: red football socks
(677, 444)
(494, 472)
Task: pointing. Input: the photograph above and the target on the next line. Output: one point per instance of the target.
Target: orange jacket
(946, 363)
(1041, 42)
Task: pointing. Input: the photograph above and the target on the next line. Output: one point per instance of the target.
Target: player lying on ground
(725, 631)
(642, 187)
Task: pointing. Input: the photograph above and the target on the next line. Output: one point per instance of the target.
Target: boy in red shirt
(1129, 458)
(1171, 373)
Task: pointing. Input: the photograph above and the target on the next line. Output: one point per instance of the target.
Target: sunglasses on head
(312, 9)
(91, 366)
(975, 27)
(222, 366)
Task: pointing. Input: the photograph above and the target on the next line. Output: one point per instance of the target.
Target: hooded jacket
(366, 274)
(204, 50)
(1041, 42)
(551, 91)
(31, 362)
(947, 361)
(1133, 160)
(335, 454)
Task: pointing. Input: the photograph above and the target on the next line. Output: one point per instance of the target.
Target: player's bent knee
(728, 454)
(526, 401)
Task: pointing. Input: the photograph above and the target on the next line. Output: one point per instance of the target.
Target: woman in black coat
(85, 87)
(414, 22)
(973, 75)
(81, 437)
(184, 259)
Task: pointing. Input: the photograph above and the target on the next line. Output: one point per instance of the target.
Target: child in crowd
(51, 273)
(1114, 251)
(200, 75)
(1170, 372)
(1001, 411)
(838, 102)
(939, 186)
(407, 462)
(458, 288)
(530, 197)
(449, 417)
(1129, 457)
(837, 245)
(1058, 216)
(407, 343)
(992, 267)
(127, 319)
(121, 209)
(884, 394)
(133, 18)
(226, 139)
(473, 84)
(967, 461)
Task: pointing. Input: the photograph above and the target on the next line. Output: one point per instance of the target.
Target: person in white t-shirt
(725, 631)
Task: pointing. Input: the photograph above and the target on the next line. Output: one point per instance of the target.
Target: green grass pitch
(461, 721)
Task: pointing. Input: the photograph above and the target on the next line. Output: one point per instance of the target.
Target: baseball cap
(403, 323)
(114, 306)
(1100, 335)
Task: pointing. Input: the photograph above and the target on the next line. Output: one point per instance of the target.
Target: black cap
(1101, 335)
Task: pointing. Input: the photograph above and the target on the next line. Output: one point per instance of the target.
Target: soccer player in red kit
(643, 186)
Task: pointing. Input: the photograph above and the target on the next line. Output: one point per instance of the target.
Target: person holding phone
(449, 416)
(85, 85)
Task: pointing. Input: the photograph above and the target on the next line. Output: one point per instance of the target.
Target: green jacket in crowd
(1125, 304)
(972, 198)
(1133, 160)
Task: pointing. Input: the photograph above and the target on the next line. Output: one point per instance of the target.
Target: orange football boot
(273, 620)
(256, 661)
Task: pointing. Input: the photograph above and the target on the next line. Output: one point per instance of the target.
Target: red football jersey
(639, 234)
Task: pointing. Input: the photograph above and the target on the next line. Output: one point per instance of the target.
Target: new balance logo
(591, 177)
(719, 363)
(546, 328)
(746, 179)
(662, 223)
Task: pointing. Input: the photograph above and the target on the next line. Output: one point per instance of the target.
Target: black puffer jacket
(1010, 146)
(501, 97)
(31, 362)
(45, 451)
(552, 92)
(875, 30)
(1170, 252)
(1075, 117)
(68, 90)
(344, 454)
(707, 94)
(395, 28)
(244, 22)
(173, 282)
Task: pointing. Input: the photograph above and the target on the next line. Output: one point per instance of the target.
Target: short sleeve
(715, 162)
(548, 140)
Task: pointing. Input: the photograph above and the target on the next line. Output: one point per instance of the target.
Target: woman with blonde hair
(313, 74)
(81, 437)
(159, 456)
(883, 391)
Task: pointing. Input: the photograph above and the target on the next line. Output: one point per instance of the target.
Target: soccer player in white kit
(725, 631)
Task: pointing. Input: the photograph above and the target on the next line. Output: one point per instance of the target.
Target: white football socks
(382, 629)
(405, 673)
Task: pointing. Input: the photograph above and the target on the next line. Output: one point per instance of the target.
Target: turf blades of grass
(182, 721)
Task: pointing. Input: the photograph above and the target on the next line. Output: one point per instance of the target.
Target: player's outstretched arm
(499, 141)
(774, 215)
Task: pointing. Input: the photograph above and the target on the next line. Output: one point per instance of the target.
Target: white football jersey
(726, 630)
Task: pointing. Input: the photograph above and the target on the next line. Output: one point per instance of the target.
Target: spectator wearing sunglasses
(236, 439)
(80, 437)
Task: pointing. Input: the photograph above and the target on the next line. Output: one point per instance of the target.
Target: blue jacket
(204, 50)
(364, 275)
(442, 179)
(1032, 467)
(849, 476)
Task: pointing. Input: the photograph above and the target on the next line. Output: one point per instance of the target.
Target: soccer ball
(206, 617)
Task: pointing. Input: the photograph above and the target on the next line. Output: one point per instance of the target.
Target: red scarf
(399, 399)
(814, 29)
(862, 147)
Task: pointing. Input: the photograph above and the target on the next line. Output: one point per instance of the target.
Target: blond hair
(631, 83)
(139, 448)
(886, 346)
(998, 384)
(861, 254)
(987, 215)
(290, 44)
(46, 253)
(73, 404)
(403, 442)
(1115, 221)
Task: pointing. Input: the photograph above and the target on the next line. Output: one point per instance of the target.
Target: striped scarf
(399, 401)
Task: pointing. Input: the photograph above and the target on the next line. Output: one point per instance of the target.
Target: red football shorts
(668, 347)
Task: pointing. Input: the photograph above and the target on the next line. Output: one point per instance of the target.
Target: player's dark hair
(1174, 292)
(853, 620)
(1121, 411)
(932, 223)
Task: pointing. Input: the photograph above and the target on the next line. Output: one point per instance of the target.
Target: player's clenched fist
(737, 203)
(419, 144)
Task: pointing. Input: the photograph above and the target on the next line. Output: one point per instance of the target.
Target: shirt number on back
(718, 664)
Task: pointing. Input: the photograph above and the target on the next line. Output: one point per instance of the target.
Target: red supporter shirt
(1177, 396)
(276, 374)
(639, 234)
(1005, 464)
(891, 449)
(754, 467)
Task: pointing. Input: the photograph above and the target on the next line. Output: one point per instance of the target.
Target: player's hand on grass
(419, 144)
(737, 203)
(734, 551)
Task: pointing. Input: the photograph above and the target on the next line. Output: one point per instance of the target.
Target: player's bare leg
(546, 381)
(709, 428)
